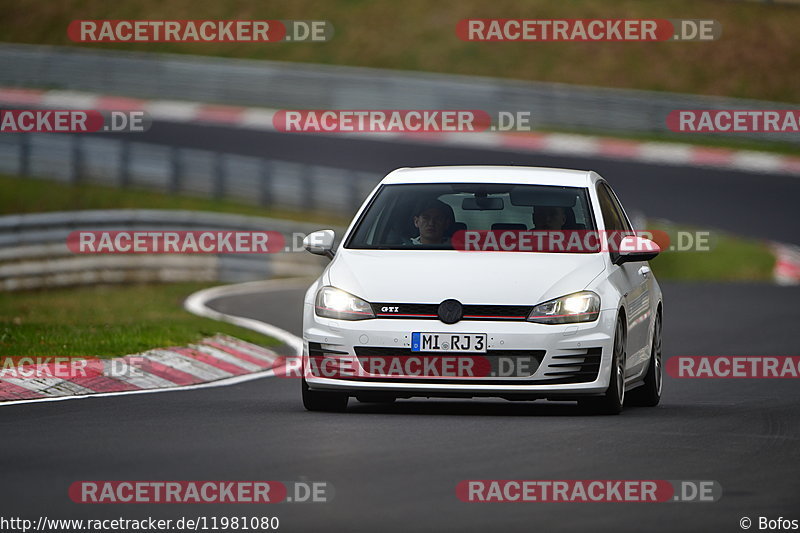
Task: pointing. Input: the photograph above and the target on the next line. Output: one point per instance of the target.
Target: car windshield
(434, 215)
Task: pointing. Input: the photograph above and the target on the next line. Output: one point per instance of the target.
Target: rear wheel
(649, 394)
(611, 402)
(314, 400)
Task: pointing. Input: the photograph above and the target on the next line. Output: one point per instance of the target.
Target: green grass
(757, 56)
(730, 258)
(105, 321)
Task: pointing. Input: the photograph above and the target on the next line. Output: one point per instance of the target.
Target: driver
(433, 218)
(550, 218)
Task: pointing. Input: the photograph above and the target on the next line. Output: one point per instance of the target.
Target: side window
(611, 215)
(618, 207)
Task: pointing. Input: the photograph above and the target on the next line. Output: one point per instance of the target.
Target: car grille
(377, 351)
(471, 311)
(573, 368)
(530, 360)
(315, 349)
(561, 369)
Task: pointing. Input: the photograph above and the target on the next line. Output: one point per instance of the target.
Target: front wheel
(611, 402)
(314, 400)
(649, 394)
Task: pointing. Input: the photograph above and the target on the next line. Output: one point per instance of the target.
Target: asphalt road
(752, 204)
(395, 468)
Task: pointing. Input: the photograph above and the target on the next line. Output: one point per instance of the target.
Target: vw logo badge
(450, 311)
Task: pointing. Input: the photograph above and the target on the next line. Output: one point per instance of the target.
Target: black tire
(649, 394)
(611, 402)
(314, 400)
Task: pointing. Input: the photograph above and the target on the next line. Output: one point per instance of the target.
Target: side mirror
(633, 248)
(320, 242)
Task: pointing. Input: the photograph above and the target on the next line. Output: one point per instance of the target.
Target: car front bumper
(573, 359)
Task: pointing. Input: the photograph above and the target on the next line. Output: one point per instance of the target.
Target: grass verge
(105, 321)
(730, 258)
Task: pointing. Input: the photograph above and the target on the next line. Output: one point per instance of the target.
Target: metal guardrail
(297, 85)
(123, 163)
(34, 253)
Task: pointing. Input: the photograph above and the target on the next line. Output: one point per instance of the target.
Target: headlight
(578, 307)
(335, 303)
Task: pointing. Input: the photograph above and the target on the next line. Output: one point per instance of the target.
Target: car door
(632, 280)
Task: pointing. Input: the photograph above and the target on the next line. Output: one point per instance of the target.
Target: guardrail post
(176, 171)
(24, 154)
(265, 182)
(125, 163)
(219, 175)
(309, 186)
(76, 170)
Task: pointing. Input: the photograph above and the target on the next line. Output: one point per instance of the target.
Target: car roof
(493, 174)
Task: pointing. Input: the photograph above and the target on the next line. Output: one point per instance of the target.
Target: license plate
(448, 342)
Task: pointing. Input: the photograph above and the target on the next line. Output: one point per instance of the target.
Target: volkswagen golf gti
(521, 283)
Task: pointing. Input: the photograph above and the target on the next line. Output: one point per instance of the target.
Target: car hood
(431, 276)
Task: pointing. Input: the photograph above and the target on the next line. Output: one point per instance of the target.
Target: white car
(436, 291)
